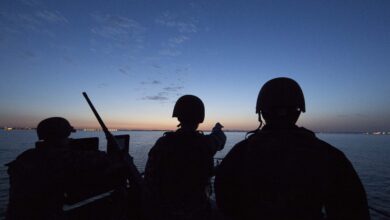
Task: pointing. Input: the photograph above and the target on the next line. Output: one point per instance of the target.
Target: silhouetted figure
(283, 171)
(180, 164)
(40, 177)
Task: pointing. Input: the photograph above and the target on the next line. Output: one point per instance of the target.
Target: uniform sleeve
(219, 137)
(227, 182)
(347, 198)
(216, 140)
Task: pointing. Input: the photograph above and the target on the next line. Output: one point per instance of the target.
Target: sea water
(369, 154)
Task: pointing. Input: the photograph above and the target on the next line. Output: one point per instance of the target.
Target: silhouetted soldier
(39, 177)
(180, 164)
(283, 171)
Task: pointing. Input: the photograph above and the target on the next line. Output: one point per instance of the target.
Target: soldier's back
(40, 177)
(179, 167)
(290, 174)
(35, 186)
(186, 163)
(287, 174)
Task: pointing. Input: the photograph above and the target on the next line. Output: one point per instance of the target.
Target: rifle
(134, 175)
(112, 144)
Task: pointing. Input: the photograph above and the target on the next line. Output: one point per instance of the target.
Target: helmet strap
(257, 129)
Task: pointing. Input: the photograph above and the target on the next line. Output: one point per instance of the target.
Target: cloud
(102, 85)
(123, 71)
(169, 52)
(36, 21)
(153, 82)
(360, 115)
(178, 39)
(165, 94)
(51, 17)
(120, 29)
(183, 27)
(156, 98)
(28, 54)
(168, 20)
(31, 3)
(67, 59)
(26, 21)
(173, 88)
(156, 66)
(181, 70)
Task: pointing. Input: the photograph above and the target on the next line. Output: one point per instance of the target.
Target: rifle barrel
(104, 127)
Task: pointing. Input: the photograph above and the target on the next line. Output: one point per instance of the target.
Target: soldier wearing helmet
(283, 171)
(55, 128)
(180, 164)
(40, 177)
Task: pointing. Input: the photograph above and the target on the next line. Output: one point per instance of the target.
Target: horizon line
(7, 128)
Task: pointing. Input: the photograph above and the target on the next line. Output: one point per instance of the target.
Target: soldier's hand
(219, 135)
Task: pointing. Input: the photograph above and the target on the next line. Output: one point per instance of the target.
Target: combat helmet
(279, 93)
(54, 128)
(189, 108)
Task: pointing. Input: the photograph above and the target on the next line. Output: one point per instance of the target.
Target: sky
(135, 58)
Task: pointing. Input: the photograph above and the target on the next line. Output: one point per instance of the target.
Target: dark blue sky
(135, 58)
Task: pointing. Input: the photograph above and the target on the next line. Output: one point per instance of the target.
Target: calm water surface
(369, 154)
